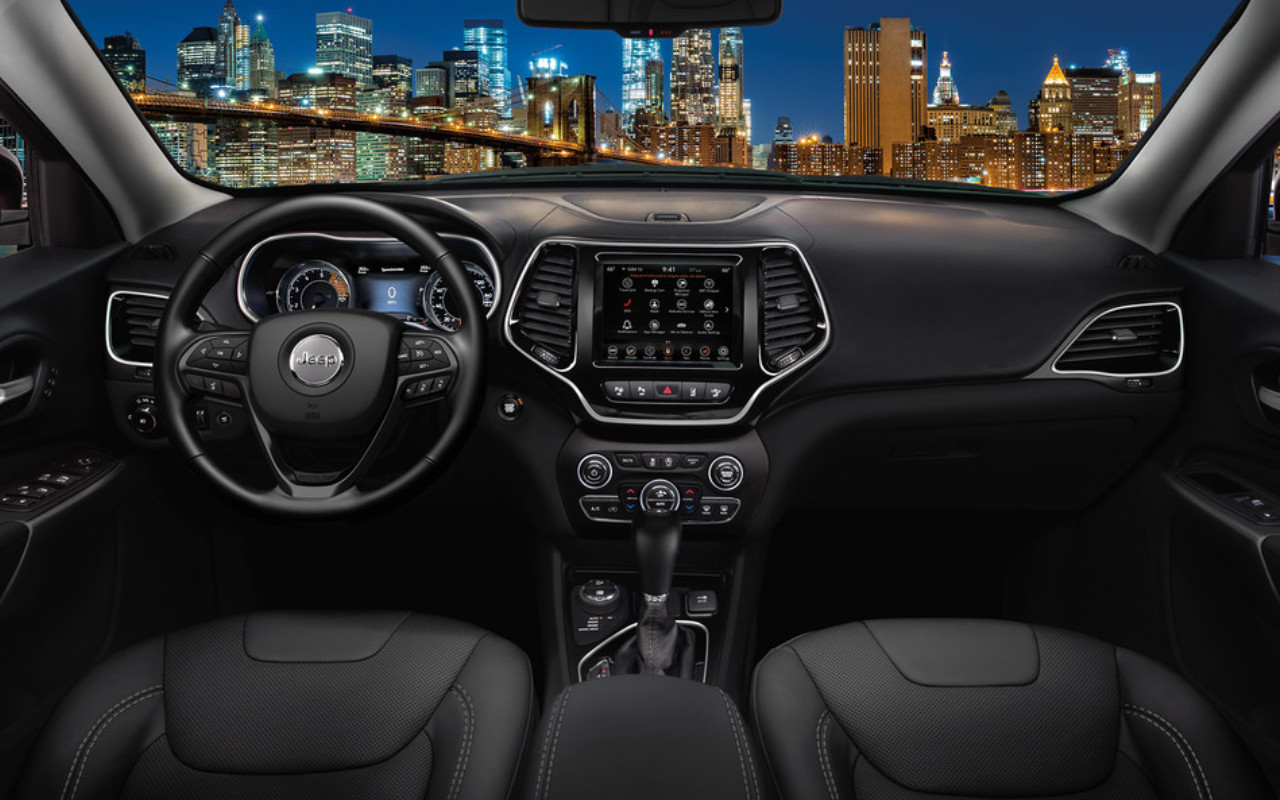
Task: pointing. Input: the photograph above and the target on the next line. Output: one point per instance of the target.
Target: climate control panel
(701, 486)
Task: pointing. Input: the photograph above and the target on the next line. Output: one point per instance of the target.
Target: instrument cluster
(299, 272)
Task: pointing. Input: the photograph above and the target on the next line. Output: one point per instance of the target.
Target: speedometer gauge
(443, 311)
(314, 286)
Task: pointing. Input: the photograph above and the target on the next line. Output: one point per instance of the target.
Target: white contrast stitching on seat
(102, 730)
(468, 735)
(824, 721)
(72, 769)
(552, 743)
(1146, 716)
(1185, 740)
(737, 741)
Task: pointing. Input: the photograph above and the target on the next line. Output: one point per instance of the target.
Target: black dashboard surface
(944, 317)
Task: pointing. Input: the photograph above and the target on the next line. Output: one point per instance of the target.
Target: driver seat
(294, 705)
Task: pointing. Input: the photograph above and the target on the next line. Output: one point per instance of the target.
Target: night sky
(793, 67)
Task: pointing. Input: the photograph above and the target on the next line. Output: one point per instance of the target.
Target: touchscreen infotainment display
(668, 314)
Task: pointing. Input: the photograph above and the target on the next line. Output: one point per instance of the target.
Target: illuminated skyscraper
(655, 81)
(692, 77)
(470, 79)
(729, 72)
(127, 59)
(262, 62)
(945, 92)
(1117, 60)
(394, 72)
(1053, 113)
(317, 155)
(1094, 92)
(885, 86)
(1006, 117)
(1141, 100)
(488, 37)
(344, 46)
(746, 119)
(198, 62)
(636, 57)
(228, 53)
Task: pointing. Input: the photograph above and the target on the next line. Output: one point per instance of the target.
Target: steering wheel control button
(659, 497)
(600, 596)
(510, 407)
(617, 390)
(725, 473)
(595, 471)
(700, 603)
(316, 360)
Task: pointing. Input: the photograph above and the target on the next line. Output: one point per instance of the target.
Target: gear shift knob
(656, 532)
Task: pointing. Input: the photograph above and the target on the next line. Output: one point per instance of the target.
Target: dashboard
(767, 349)
(312, 271)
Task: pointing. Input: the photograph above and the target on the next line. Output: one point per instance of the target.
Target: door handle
(23, 386)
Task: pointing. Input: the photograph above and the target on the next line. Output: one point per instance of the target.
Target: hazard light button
(667, 390)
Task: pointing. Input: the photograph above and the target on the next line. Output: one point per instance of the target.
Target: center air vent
(132, 321)
(1130, 341)
(790, 324)
(545, 314)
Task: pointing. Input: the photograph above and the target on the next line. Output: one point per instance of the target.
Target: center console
(644, 334)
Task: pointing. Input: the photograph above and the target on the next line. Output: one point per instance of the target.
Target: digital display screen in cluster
(667, 314)
(390, 291)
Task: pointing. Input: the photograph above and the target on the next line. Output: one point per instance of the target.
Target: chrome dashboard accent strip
(1050, 368)
(495, 273)
(825, 325)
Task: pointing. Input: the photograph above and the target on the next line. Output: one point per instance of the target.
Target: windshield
(1039, 97)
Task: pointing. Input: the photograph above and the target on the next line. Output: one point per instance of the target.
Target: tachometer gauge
(442, 310)
(314, 286)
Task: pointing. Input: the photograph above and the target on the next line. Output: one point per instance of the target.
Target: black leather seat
(283, 705)
(909, 709)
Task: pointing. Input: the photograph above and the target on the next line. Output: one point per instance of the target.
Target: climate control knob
(725, 473)
(595, 471)
(659, 498)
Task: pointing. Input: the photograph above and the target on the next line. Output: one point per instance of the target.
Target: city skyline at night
(786, 72)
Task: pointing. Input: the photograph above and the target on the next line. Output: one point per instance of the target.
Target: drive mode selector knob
(725, 473)
(600, 596)
(659, 498)
(595, 471)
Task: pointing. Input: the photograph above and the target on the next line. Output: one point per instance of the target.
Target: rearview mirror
(647, 18)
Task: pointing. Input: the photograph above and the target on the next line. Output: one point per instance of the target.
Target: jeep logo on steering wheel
(316, 360)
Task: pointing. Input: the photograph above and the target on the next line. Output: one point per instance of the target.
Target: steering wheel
(321, 376)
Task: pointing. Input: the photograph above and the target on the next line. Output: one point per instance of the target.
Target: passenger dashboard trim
(772, 377)
(495, 273)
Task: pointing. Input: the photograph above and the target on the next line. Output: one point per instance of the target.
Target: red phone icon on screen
(627, 304)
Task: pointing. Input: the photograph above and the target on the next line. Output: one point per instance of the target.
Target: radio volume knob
(595, 471)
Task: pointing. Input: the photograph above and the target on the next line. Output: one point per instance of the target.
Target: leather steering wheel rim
(177, 332)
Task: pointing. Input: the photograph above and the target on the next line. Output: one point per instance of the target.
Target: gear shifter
(656, 532)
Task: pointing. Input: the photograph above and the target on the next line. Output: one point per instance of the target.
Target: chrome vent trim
(1139, 334)
(133, 318)
(543, 316)
(789, 313)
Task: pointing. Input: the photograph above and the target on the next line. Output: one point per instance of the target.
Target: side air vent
(132, 321)
(790, 324)
(545, 318)
(1129, 341)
